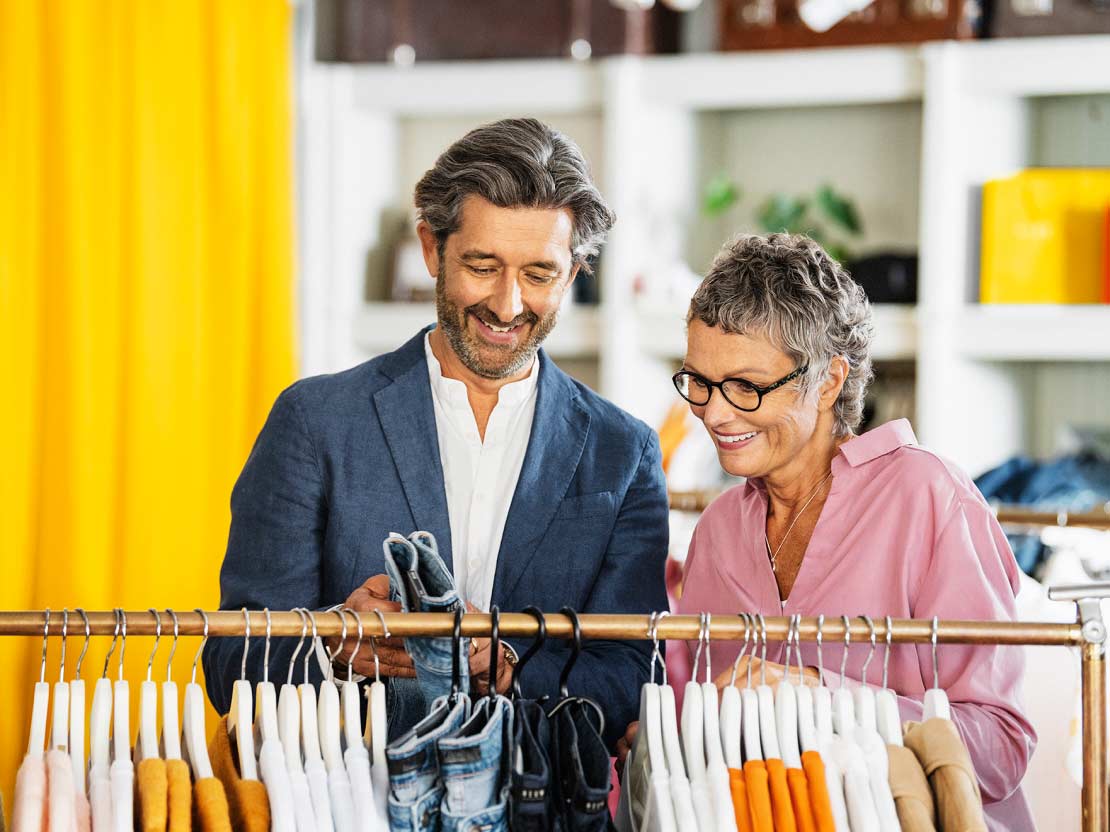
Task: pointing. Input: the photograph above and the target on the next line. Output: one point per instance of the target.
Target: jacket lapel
(407, 417)
(559, 430)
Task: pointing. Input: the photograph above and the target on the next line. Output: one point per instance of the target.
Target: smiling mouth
(735, 439)
(498, 332)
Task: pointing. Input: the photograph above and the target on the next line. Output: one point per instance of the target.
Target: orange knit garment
(740, 800)
(759, 796)
(180, 802)
(780, 796)
(799, 799)
(814, 768)
(246, 799)
(210, 811)
(151, 789)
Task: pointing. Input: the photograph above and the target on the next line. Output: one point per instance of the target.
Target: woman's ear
(834, 382)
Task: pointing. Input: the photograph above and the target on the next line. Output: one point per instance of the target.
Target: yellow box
(1044, 237)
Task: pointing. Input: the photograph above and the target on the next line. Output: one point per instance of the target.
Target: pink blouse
(903, 533)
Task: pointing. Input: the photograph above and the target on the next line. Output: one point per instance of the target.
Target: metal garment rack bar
(1088, 633)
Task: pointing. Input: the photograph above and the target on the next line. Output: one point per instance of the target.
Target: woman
(828, 522)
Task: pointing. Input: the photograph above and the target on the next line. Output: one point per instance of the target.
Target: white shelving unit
(940, 120)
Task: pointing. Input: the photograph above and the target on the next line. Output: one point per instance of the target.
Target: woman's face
(756, 443)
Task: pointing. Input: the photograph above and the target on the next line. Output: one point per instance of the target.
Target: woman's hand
(624, 745)
(774, 674)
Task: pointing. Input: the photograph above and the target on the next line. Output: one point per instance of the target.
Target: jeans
(421, 582)
(415, 787)
(582, 768)
(474, 764)
(532, 800)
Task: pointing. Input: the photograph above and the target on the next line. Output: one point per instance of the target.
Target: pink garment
(903, 533)
(61, 794)
(29, 811)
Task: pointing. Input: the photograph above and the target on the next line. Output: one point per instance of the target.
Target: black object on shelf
(887, 278)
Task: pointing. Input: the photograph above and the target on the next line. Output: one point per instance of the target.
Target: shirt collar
(453, 392)
(878, 442)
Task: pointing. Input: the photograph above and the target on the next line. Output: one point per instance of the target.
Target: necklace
(775, 554)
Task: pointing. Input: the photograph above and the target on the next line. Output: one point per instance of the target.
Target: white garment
(100, 798)
(302, 800)
(479, 477)
(317, 777)
(682, 798)
(30, 796)
(342, 804)
(122, 778)
(834, 784)
(862, 815)
(279, 788)
(61, 794)
(878, 772)
(646, 770)
(367, 816)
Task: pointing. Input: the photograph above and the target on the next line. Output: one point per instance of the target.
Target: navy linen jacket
(345, 459)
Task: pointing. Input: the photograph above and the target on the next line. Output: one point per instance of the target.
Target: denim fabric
(474, 764)
(532, 805)
(421, 582)
(582, 768)
(415, 787)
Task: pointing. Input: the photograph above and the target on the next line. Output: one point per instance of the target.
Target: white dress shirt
(479, 477)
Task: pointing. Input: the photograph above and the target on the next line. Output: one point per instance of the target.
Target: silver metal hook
(45, 636)
(203, 641)
(708, 622)
(847, 644)
(697, 652)
(112, 649)
(763, 651)
(889, 640)
(820, 646)
(374, 644)
(871, 652)
(338, 647)
(654, 636)
(798, 646)
(85, 648)
(311, 645)
(246, 645)
(933, 642)
(789, 638)
(358, 644)
(65, 636)
(743, 649)
(157, 638)
(173, 645)
(750, 618)
(266, 650)
(304, 634)
(122, 640)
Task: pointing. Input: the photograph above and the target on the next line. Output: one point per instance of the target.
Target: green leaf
(783, 213)
(839, 209)
(720, 194)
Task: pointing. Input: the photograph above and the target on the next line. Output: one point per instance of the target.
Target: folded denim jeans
(474, 765)
(581, 761)
(532, 800)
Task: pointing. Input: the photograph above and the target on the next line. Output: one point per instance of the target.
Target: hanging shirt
(61, 803)
(210, 810)
(799, 799)
(816, 781)
(122, 777)
(179, 796)
(30, 795)
(947, 765)
(912, 795)
(740, 800)
(100, 797)
(902, 533)
(247, 803)
(153, 797)
(781, 805)
(479, 477)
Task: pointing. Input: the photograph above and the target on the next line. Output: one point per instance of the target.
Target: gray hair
(786, 288)
(515, 163)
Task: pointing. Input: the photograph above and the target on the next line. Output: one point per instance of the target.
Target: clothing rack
(1013, 515)
(1088, 634)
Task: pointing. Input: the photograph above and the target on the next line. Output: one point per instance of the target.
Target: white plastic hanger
(310, 725)
(886, 701)
(659, 815)
(681, 798)
(844, 707)
(194, 733)
(147, 746)
(289, 708)
(265, 713)
(693, 724)
(936, 700)
(329, 715)
(59, 723)
(807, 726)
(715, 769)
(822, 694)
(376, 735)
(170, 743)
(100, 720)
(39, 709)
(864, 696)
(121, 704)
(786, 710)
(749, 702)
(350, 697)
(731, 709)
(831, 747)
(240, 719)
(767, 731)
(77, 714)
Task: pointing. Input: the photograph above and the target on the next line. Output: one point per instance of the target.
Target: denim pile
(482, 764)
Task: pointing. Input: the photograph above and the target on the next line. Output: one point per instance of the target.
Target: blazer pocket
(586, 505)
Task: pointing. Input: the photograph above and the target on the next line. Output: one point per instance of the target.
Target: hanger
(495, 650)
(807, 724)
(289, 707)
(240, 724)
(564, 696)
(310, 725)
(822, 694)
(41, 702)
(170, 742)
(329, 714)
(864, 696)
(533, 648)
(195, 735)
(672, 743)
(456, 648)
(716, 773)
(786, 710)
(886, 701)
(147, 746)
(350, 696)
(693, 718)
(844, 709)
(100, 720)
(376, 734)
(265, 702)
(121, 704)
(59, 722)
(936, 700)
(749, 702)
(731, 709)
(77, 713)
(766, 698)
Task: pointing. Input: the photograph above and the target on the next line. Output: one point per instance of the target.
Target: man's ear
(573, 274)
(429, 245)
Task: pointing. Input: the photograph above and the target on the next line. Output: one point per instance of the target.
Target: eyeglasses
(740, 393)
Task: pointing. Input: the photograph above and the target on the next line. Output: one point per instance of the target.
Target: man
(538, 491)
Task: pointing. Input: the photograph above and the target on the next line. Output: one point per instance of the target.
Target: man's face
(499, 283)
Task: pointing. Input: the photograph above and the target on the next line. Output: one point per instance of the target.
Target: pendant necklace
(775, 554)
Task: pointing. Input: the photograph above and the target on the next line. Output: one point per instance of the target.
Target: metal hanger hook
(798, 647)
(358, 644)
(296, 652)
(889, 640)
(173, 644)
(157, 638)
(871, 652)
(65, 636)
(266, 649)
(203, 641)
(122, 640)
(312, 644)
(374, 644)
(933, 642)
(85, 649)
(45, 636)
(847, 644)
(246, 645)
(707, 622)
(700, 647)
(112, 648)
(763, 650)
(743, 649)
(820, 646)
(654, 636)
(789, 637)
(338, 647)
(657, 654)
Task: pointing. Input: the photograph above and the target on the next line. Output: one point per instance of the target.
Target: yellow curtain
(146, 306)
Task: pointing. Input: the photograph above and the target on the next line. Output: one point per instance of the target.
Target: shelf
(1039, 66)
(479, 87)
(786, 78)
(1036, 333)
(663, 332)
(382, 327)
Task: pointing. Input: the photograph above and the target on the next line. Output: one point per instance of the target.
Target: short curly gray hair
(519, 162)
(786, 288)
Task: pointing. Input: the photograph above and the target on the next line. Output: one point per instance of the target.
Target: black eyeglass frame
(676, 379)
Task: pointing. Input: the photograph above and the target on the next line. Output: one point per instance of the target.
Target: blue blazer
(345, 459)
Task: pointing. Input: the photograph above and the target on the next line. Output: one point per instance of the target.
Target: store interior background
(687, 147)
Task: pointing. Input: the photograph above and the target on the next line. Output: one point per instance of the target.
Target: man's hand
(480, 655)
(392, 658)
(774, 674)
(624, 746)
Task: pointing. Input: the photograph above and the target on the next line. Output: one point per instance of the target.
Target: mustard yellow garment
(180, 796)
(146, 286)
(246, 799)
(151, 795)
(210, 809)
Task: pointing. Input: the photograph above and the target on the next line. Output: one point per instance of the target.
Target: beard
(491, 361)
